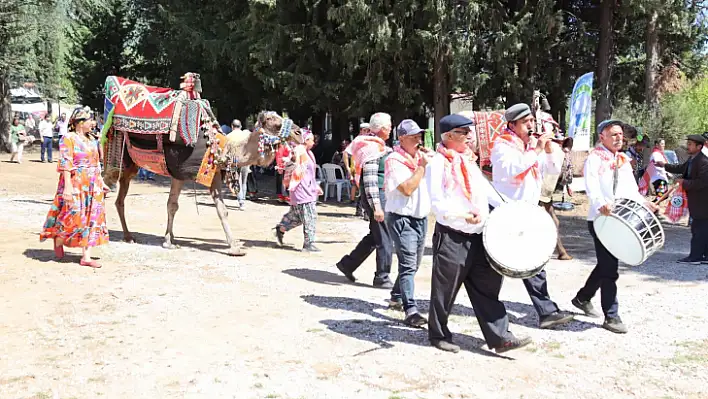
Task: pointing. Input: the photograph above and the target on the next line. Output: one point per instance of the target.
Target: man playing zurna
(519, 161)
(459, 196)
(608, 176)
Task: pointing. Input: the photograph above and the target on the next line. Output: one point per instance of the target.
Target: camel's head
(275, 125)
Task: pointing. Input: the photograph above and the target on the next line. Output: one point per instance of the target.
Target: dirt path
(195, 323)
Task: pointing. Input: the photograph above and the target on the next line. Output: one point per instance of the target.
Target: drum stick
(460, 215)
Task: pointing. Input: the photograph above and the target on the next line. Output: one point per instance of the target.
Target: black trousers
(378, 239)
(460, 259)
(699, 239)
(278, 183)
(537, 287)
(603, 277)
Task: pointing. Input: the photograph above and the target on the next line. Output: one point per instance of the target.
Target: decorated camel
(174, 133)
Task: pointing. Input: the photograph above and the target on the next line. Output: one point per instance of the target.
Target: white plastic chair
(331, 179)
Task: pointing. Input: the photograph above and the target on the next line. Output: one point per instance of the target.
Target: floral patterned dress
(81, 223)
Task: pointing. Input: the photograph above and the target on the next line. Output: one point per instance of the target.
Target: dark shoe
(279, 235)
(415, 320)
(514, 343)
(586, 307)
(615, 325)
(310, 248)
(395, 304)
(346, 274)
(445, 346)
(689, 261)
(555, 319)
(387, 284)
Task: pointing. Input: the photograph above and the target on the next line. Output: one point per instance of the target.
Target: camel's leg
(172, 207)
(218, 196)
(123, 186)
(562, 253)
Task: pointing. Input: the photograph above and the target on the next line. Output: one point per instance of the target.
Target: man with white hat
(460, 199)
(519, 162)
(407, 209)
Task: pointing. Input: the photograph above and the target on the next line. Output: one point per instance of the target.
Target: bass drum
(519, 239)
(632, 233)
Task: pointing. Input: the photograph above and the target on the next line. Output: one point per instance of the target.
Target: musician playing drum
(603, 185)
(459, 198)
(519, 161)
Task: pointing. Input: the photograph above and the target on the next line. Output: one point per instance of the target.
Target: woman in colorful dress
(77, 217)
(300, 178)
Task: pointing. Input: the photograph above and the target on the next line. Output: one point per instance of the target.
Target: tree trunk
(605, 51)
(441, 87)
(652, 62)
(5, 114)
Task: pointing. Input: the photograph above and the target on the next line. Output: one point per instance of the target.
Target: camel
(181, 140)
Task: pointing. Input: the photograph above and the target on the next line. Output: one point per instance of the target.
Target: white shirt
(348, 150)
(46, 129)
(657, 172)
(417, 205)
(508, 162)
(598, 174)
(704, 150)
(446, 207)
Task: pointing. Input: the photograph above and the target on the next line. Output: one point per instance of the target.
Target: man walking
(459, 200)
(370, 153)
(47, 136)
(694, 181)
(407, 209)
(519, 162)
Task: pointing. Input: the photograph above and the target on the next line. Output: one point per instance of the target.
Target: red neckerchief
(510, 138)
(457, 170)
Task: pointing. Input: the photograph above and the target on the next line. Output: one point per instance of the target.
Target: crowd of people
(401, 187)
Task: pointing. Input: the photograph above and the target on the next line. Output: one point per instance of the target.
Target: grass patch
(272, 396)
(314, 330)
(97, 379)
(690, 353)
(258, 385)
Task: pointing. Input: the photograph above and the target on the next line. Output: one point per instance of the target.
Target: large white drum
(519, 239)
(632, 233)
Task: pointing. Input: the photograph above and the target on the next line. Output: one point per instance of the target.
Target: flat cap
(697, 138)
(450, 122)
(408, 127)
(516, 112)
(607, 123)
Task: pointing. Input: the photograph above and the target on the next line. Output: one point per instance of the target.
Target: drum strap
(615, 176)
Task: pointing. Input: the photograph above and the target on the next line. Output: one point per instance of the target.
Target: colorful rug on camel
(138, 108)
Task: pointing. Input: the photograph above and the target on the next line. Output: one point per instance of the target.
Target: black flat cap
(450, 122)
(697, 138)
(516, 112)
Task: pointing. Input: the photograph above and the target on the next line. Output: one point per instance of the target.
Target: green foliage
(684, 113)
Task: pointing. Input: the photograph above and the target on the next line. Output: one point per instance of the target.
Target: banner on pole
(579, 127)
